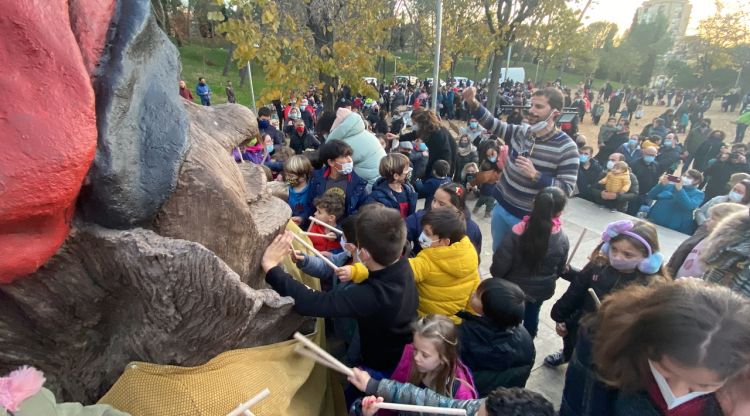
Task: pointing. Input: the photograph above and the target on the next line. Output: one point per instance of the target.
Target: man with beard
(539, 155)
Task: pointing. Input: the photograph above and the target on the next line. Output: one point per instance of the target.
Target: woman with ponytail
(535, 253)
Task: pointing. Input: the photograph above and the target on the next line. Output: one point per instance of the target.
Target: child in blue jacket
(426, 189)
(393, 189)
(297, 172)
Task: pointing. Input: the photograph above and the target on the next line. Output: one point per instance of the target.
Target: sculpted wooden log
(110, 297)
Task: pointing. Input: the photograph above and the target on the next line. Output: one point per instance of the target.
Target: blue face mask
(264, 124)
(667, 143)
(422, 147)
(632, 142)
(492, 159)
(473, 125)
(584, 158)
(649, 159)
(269, 148)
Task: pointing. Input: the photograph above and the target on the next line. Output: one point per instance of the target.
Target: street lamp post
(395, 58)
(436, 68)
(252, 91)
(536, 76)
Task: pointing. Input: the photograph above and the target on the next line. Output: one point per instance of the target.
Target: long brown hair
(427, 120)
(694, 323)
(441, 331)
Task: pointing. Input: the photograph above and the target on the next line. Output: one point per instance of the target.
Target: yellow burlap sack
(298, 386)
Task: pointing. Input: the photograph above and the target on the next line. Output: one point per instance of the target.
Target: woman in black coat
(440, 143)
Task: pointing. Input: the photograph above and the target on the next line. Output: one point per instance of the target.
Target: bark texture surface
(109, 297)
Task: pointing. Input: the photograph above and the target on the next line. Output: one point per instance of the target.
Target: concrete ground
(579, 215)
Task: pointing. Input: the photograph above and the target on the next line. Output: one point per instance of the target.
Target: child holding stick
(432, 361)
(384, 306)
(628, 254)
(329, 207)
(500, 402)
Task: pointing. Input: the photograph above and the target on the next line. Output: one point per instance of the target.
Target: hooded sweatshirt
(350, 128)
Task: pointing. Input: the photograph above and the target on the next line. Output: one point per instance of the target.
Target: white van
(467, 82)
(371, 80)
(515, 74)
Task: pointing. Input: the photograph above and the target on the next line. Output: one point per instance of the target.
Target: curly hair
(332, 203)
(427, 120)
(516, 401)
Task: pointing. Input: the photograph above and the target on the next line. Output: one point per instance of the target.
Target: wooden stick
(303, 351)
(320, 352)
(578, 243)
(316, 252)
(240, 410)
(248, 413)
(334, 229)
(597, 302)
(330, 237)
(420, 409)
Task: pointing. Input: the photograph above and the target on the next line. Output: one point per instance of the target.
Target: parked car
(407, 79)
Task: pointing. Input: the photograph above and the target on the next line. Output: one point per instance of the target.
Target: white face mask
(610, 165)
(346, 168)
(537, 127)
(666, 392)
(687, 181)
(424, 241)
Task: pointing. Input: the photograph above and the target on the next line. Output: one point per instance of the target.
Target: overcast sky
(622, 11)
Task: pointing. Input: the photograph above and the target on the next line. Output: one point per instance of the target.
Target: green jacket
(44, 404)
(744, 118)
(366, 147)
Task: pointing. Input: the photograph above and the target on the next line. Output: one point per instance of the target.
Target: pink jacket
(466, 390)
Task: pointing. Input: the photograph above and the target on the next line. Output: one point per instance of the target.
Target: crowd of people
(405, 296)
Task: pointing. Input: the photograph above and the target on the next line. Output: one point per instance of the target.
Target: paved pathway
(579, 214)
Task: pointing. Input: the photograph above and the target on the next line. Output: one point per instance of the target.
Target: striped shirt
(554, 156)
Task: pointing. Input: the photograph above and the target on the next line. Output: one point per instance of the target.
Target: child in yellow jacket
(446, 271)
(617, 179)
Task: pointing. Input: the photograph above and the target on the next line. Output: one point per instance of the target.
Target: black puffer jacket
(576, 301)
(497, 357)
(539, 284)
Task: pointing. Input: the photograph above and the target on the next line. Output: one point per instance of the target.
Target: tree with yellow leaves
(303, 43)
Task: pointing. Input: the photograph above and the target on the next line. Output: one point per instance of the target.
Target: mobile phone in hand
(673, 179)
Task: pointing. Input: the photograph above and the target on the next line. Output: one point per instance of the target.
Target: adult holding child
(539, 155)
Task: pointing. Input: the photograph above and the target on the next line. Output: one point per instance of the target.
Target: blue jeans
(502, 222)
(531, 317)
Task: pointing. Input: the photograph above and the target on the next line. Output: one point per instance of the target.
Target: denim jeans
(502, 222)
(531, 317)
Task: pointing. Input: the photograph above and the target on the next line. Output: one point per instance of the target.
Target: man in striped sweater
(539, 155)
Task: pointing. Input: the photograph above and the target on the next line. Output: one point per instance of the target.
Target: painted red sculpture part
(47, 123)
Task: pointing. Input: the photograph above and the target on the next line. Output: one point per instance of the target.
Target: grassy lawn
(208, 62)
